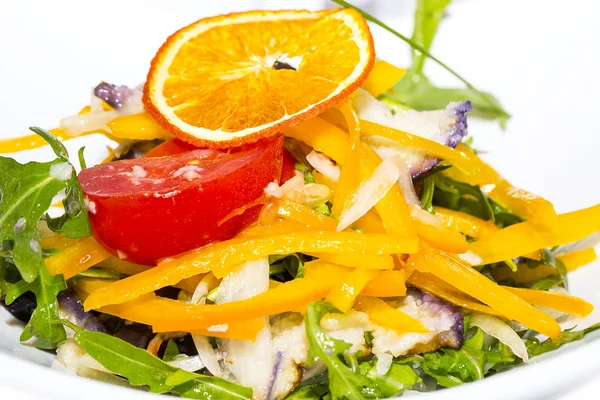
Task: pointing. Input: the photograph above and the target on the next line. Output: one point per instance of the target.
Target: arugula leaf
(398, 378)
(462, 197)
(4, 284)
(57, 146)
(292, 264)
(143, 369)
(82, 158)
(171, 351)
(25, 193)
(344, 382)
(427, 190)
(310, 392)
(46, 287)
(414, 89)
(535, 348)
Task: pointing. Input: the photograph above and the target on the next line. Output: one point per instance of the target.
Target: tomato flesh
(150, 208)
(176, 146)
(170, 147)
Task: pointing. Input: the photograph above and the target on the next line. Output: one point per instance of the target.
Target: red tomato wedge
(176, 146)
(170, 147)
(150, 208)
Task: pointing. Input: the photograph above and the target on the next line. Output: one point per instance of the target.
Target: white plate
(538, 57)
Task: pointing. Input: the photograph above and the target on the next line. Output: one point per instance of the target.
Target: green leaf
(4, 283)
(344, 382)
(414, 89)
(143, 369)
(311, 392)
(535, 348)
(82, 158)
(427, 190)
(45, 287)
(427, 18)
(57, 146)
(398, 378)
(292, 264)
(462, 197)
(171, 351)
(26, 192)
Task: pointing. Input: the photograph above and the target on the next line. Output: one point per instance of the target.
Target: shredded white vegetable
(324, 165)
(501, 331)
(369, 193)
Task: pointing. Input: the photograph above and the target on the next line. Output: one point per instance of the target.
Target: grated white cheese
(34, 245)
(187, 168)
(138, 172)
(91, 206)
(191, 175)
(121, 254)
(61, 171)
(20, 224)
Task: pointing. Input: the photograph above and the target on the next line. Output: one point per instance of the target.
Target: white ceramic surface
(539, 57)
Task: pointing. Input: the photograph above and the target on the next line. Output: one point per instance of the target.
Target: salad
(284, 216)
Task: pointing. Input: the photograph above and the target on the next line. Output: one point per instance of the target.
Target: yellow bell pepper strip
(527, 237)
(145, 309)
(556, 301)
(332, 141)
(464, 223)
(387, 284)
(319, 280)
(27, 142)
(442, 238)
(461, 160)
(382, 314)
(313, 219)
(349, 176)
(576, 259)
(224, 257)
(471, 282)
(523, 274)
(521, 202)
(440, 289)
(382, 78)
(137, 127)
(77, 258)
(323, 180)
(354, 260)
(344, 294)
(127, 268)
(85, 286)
(58, 242)
(370, 223)
(305, 215)
(276, 227)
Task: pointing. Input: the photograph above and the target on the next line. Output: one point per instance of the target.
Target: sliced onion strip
(501, 331)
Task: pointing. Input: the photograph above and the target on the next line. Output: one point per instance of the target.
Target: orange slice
(232, 79)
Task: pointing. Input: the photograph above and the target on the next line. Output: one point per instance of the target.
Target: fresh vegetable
(142, 368)
(415, 89)
(345, 382)
(526, 237)
(134, 203)
(27, 192)
(222, 257)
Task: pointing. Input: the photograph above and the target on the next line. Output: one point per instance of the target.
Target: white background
(541, 58)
